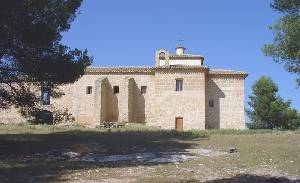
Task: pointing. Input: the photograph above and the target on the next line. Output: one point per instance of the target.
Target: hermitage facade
(178, 92)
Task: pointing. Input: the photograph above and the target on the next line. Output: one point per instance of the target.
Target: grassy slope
(260, 152)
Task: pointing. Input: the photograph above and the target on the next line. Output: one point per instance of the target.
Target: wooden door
(179, 123)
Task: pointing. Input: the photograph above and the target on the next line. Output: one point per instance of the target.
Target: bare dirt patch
(142, 158)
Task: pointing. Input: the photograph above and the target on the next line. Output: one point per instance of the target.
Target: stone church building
(179, 92)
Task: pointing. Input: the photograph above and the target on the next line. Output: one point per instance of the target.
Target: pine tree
(268, 109)
(286, 44)
(31, 53)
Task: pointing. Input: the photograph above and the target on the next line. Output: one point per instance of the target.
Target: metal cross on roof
(180, 42)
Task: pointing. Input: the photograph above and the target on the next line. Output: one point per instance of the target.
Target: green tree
(31, 54)
(286, 44)
(293, 119)
(268, 109)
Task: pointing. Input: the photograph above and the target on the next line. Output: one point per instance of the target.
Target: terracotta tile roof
(182, 67)
(119, 69)
(138, 69)
(227, 72)
(151, 70)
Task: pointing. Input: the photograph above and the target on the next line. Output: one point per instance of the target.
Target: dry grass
(263, 155)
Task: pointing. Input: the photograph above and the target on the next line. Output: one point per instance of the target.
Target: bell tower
(165, 59)
(180, 50)
(162, 58)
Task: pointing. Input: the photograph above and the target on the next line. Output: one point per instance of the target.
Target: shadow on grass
(26, 157)
(248, 178)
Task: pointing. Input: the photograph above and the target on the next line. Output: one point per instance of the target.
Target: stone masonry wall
(189, 103)
(159, 106)
(12, 114)
(103, 105)
(227, 94)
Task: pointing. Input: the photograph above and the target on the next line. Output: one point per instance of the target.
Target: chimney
(180, 50)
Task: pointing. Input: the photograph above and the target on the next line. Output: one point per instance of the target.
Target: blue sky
(229, 34)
